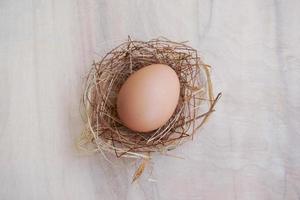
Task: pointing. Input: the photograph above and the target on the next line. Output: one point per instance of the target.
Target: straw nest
(105, 133)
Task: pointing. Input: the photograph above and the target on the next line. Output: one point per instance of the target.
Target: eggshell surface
(148, 98)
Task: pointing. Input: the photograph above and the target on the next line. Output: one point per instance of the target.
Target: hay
(105, 133)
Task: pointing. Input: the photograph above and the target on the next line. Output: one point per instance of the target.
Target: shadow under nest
(104, 132)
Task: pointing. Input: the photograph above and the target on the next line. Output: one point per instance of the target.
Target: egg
(148, 98)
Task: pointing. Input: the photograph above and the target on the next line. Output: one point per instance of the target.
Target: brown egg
(148, 98)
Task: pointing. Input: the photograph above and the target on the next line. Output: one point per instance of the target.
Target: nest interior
(104, 132)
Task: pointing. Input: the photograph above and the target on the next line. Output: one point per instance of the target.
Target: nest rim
(104, 132)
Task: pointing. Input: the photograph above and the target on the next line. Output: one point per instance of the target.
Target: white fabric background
(249, 149)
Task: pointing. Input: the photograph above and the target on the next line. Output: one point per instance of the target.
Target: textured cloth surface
(249, 149)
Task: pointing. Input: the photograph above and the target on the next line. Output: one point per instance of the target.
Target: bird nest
(105, 133)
